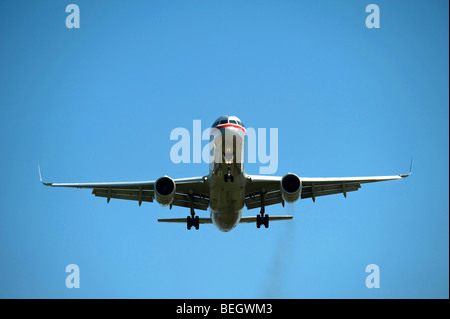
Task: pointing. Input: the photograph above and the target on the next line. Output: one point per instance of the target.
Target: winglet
(40, 177)
(410, 169)
(410, 166)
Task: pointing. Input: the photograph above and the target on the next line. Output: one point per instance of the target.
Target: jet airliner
(227, 188)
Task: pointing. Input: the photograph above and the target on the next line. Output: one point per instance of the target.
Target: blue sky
(98, 103)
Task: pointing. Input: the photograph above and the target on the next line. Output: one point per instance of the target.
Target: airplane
(227, 188)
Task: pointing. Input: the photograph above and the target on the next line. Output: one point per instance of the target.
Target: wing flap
(147, 196)
(254, 200)
(143, 191)
(318, 189)
(121, 185)
(312, 187)
(338, 180)
(182, 200)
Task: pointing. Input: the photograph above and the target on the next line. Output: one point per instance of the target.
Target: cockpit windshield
(227, 119)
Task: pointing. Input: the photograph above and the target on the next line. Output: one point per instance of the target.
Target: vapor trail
(276, 275)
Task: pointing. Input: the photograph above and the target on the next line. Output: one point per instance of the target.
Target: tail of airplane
(244, 220)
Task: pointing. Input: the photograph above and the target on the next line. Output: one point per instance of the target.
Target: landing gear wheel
(228, 177)
(266, 220)
(258, 221)
(193, 221)
(262, 220)
(196, 222)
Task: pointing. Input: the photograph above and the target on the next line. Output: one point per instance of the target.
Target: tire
(196, 222)
(266, 221)
(189, 222)
(258, 221)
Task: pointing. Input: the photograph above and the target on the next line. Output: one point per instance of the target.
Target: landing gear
(228, 177)
(192, 220)
(262, 219)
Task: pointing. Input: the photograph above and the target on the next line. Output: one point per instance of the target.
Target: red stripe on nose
(231, 125)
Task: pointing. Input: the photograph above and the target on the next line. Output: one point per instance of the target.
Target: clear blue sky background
(97, 104)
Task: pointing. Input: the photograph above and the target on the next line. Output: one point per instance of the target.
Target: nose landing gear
(228, 175)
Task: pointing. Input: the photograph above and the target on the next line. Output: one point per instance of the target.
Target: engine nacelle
(164, 190)
(291, 188)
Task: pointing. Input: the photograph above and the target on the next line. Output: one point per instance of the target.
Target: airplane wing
(312, 187)
(144, 191)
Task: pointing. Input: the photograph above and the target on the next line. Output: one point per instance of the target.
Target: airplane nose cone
(225, 222)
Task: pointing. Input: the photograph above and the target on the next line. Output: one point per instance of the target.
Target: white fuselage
(227, 179)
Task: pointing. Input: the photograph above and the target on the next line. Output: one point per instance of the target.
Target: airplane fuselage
(227, 179)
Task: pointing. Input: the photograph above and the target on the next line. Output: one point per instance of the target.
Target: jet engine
(291, 187)
(164, 190)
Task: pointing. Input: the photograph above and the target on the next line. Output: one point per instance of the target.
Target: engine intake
(164, 190)
(291, 187)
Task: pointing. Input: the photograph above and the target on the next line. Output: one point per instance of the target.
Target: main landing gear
(192, 220)
(262, 219)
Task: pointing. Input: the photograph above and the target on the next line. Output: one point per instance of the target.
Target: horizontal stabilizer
(184, 220)
(252, 219)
